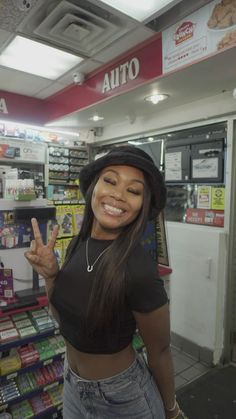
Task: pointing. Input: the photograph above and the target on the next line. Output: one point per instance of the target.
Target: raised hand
(41, 256)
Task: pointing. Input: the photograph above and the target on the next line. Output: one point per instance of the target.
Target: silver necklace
(90, 267)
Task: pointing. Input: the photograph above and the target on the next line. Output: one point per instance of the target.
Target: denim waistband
(132, 372)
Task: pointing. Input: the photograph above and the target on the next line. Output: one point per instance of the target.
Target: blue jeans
(129, 394)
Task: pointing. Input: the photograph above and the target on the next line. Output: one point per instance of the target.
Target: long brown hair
(108, 290)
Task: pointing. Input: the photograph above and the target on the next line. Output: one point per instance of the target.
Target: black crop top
(144, 292)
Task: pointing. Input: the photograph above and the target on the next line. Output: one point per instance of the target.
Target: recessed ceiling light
(29, 56)
(156, 98)
(139, 10)
(96, 118)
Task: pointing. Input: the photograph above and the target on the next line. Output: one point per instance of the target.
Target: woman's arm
(154, 328)
(43, 260)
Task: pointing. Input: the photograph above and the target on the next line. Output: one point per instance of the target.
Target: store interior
(121, 84)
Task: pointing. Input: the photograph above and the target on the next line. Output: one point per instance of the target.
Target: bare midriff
(99, 366)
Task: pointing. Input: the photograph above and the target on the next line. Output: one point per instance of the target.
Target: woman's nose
(118, 194)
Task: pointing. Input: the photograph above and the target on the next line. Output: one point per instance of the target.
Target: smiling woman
(108, 287)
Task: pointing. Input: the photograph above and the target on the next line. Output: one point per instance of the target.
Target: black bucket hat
(130, 156)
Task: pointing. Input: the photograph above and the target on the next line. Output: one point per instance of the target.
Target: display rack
(44, 364)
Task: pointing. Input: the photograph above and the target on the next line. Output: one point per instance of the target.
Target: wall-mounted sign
(209, 30)
(19, 150)
(3, 106)
(121, 75)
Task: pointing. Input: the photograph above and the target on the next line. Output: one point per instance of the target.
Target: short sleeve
(145, 290)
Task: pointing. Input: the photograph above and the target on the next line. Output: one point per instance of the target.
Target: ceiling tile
(21, 83)
(125, 43)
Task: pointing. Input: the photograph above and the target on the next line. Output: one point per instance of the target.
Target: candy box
(6, 284)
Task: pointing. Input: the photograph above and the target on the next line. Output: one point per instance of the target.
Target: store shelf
(30, 394)
(32, 338)
(50, 413)
(8, 310)
(32, 367)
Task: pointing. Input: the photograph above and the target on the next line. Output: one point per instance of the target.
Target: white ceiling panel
(127, 42)
(5, 37)
(21, 83)
(49, 90)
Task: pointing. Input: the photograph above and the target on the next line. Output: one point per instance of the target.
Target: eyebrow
(132, 180)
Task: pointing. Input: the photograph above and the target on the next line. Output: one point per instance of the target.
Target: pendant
(89, 268)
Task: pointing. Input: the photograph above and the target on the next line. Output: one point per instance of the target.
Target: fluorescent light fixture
(96, 118)
(156, 98)
(41, 60)
(139, 9)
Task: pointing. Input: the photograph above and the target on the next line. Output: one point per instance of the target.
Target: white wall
(197, 283)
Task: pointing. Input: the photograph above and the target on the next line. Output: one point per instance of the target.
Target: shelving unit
(38, 380)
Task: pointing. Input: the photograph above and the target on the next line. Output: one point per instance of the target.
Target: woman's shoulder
(141, 262)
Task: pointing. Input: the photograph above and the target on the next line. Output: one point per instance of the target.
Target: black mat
(212, 396)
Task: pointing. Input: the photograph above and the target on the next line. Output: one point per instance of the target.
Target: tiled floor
(186, 368)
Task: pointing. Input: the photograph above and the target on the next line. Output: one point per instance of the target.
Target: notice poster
(204, 197)
(173, 166)
(205, 168)
(209, 30)
(218, 198)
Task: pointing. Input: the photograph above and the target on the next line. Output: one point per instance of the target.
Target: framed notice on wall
(207, 162)
(177, 164)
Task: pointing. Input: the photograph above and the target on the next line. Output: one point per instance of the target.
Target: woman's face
(116, 200)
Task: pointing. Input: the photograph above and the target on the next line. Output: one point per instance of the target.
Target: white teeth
(113, 210)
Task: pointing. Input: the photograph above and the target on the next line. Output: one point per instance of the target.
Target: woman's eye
(109, 180)
(134, 191)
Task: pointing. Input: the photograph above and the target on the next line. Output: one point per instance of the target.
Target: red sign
(140, 65)
(20, 108)
(206, 217)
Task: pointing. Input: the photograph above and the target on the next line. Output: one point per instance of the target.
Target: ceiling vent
(75, 25)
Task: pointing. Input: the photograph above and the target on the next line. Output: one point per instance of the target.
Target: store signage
(209, 30)
(184, 32)
(121, 75)
(19, 150)
(3, 106)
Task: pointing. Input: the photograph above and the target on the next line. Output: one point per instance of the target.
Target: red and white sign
(3, 106)
(213, 218)
(140, 65)
(122, 74)
(207, 31)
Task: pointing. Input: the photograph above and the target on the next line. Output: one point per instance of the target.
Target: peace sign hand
(41, 256)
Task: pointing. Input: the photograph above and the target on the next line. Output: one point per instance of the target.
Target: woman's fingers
(33, 246)
(53, 237)
(36, 231)
(31, 257)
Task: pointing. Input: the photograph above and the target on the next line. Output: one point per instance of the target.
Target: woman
(108, 287)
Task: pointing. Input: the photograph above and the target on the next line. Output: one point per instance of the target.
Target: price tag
(55, 384)
(12, 375)
(48, 361)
